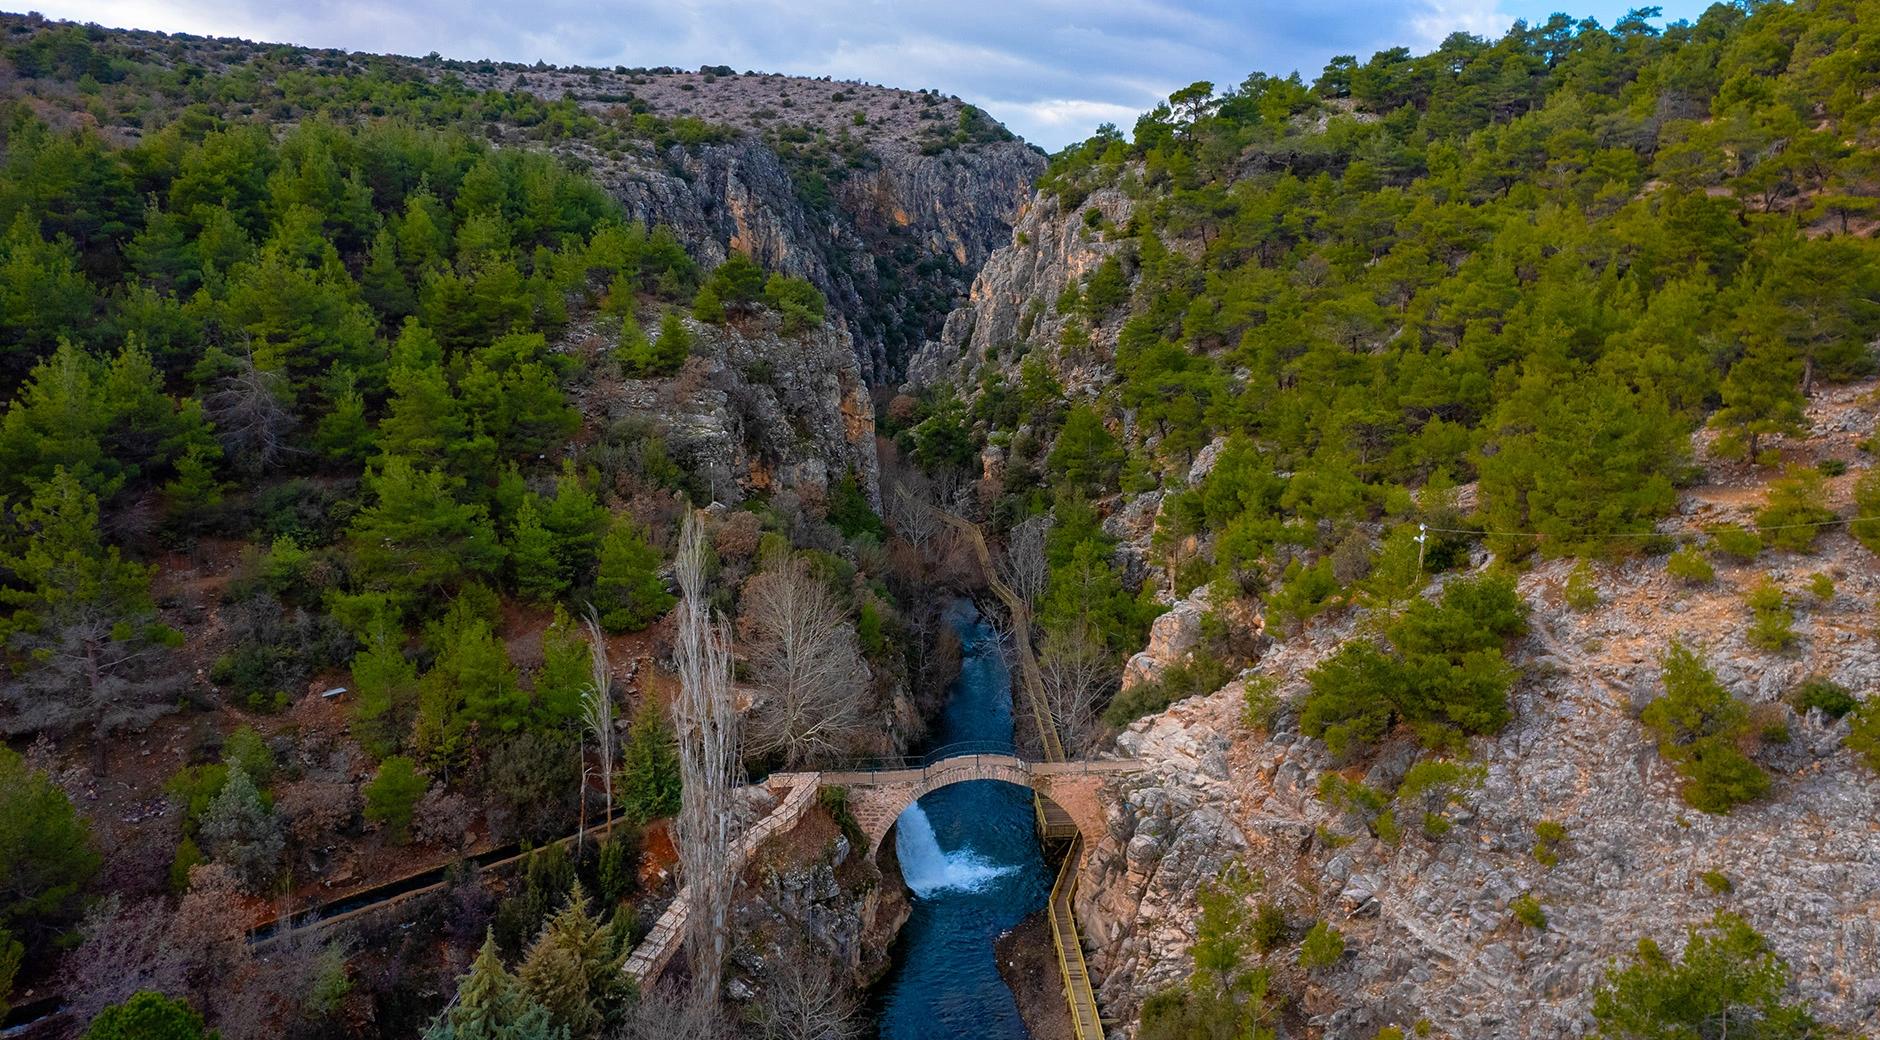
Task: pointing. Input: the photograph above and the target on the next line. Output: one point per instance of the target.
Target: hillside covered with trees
(350, 408)
(321, 514)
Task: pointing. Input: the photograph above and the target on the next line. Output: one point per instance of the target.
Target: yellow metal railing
(1070, 948)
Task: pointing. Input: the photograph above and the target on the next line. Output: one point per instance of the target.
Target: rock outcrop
(891, 216)
(810, 893)
(1172, 639)
(1428, 921)
(1013, 299)
(755, 410)
(893, 249)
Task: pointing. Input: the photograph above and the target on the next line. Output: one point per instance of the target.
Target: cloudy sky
(1050, 69)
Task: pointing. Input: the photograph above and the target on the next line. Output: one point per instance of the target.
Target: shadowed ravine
(970, 855)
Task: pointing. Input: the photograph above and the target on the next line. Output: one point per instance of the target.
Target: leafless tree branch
(805, 656)
(706, 720)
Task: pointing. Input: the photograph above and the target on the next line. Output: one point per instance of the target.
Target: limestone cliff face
(893, 248)
(755, 410)
(1427, 921)
(811, 894)
(1013, 300)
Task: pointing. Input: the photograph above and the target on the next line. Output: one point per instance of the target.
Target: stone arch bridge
(1071, 792)
(1070, 804)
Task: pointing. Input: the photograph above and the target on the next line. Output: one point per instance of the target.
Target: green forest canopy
(1537, 263)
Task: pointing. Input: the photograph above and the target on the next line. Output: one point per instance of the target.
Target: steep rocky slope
(892, 249)
(754, 410)
(1011, 299)
(1428, 921)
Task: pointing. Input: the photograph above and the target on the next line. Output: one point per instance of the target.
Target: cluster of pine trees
(1532, 266)
(1537, 263)
(303, 325)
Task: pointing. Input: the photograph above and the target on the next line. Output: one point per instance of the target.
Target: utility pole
(1423, 536)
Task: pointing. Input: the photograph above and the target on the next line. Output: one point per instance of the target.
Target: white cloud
(1441, 17)
(1075, 115)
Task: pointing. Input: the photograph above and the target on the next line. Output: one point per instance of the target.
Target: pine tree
(578, 521)
(43, 295)
(649, 766)
(423, 419)
(46, 856)
(634, 350)
(472, 662)
(385, 692)
(628, 590)
(393, 792)
(63, 562)
(1762, 393)
(1698, 724)
(343, 434)
(492, 1005)
(674, 344)
(423, 233)
(1086, 456)
(57, 419)
(195, 490)
(707, 307)
(1727, 974)
(239, 830)
(559, 682)
(416, 540)
(533, 564)
(383, 281)
(573, 968)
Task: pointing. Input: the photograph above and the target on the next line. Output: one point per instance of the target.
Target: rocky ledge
(1428, 923)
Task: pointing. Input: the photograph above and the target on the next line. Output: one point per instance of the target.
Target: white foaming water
(927, 869)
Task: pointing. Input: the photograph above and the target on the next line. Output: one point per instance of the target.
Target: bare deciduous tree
(910, 509)
(666, 1014)
(706, 721)
(1077, 671)
(805, 999)
(126, 948)
(197, 951)
(316, 808)
(1023, 565)
(252, 419)
(442, 818)
(803, 652)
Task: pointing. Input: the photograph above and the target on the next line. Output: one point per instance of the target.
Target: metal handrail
(896, 763)
(1085, 1020)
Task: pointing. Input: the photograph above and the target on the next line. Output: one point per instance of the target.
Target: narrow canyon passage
(970, 855)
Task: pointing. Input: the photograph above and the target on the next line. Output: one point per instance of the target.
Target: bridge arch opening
(1055, 822)
(1067, 801)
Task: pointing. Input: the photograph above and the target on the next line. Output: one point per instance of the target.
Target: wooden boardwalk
(1082, 997)
(1020, 612)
